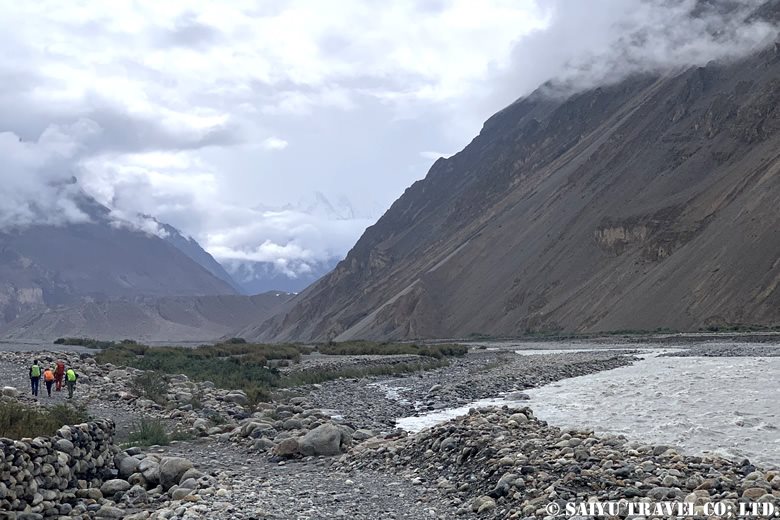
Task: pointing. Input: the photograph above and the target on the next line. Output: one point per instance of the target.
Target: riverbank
(334, 450)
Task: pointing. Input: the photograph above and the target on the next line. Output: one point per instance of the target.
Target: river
(726, 405)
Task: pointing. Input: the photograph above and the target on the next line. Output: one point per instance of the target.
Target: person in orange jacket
(59, 374)
(48, 378)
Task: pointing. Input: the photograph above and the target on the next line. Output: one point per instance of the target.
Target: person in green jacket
(70, 381)
(35, 377)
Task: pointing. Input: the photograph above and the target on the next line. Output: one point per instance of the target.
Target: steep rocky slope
(183, 318)
(190, 247)
(649, 203)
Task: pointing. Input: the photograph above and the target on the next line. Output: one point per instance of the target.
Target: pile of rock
(291, 430)
(148, 482)
(504, 463)
(47, 475)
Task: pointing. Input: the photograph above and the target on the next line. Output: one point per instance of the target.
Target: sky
(277, 131)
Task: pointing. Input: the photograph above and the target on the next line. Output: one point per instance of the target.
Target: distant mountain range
(45, 266)
(648, 203)
(260, 277)
(166, 319)
(106, 278)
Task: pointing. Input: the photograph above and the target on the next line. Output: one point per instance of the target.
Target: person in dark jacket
(35, 377)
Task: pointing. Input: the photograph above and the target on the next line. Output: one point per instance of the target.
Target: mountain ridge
(605, 210)
(50, 265)
(169, 319)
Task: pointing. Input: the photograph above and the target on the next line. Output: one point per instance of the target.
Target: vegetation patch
(238, 365)
(18, 421)
(149, 432)
(233, 365)
(366, 348)
(309, 377)
(92, 343)
(151, 385)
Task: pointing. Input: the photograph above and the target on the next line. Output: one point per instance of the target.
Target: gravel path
(17, 375)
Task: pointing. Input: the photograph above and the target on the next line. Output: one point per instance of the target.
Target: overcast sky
(236, 121)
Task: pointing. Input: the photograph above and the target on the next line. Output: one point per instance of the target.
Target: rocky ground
(502, 463)
(332, 450)
(480, 375)
(727, 350)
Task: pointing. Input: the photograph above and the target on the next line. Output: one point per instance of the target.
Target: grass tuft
(18, 420)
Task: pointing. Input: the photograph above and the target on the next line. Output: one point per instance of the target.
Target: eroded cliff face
(650, 203)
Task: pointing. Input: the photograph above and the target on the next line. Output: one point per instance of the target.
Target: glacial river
(726, 405)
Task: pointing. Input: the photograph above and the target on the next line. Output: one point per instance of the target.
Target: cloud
(186, 193)
(170, 109)
(625, 37)
(434, 155)
(274, 143)
(189, 32)
(36, 180)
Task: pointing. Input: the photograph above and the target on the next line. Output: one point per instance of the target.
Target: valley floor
(376, 480)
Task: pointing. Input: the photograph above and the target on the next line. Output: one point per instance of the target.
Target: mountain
(329, 228)
(43, 266)
(259, 277)
(195, 252)
(169, 319)
(648, 203)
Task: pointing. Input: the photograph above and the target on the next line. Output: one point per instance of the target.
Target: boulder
(126, 465)
(150, 469)
(135, 496)
(518, 396)
(172, 469)
(326, 439)
(109, 512)
(754, 493)
(264, 444)
(201, 424)
(237, 397)
(180, 493)
(292, 424)
(287, 448)
(192, 473)
(63, 445)
(9, 391)
(113, 486)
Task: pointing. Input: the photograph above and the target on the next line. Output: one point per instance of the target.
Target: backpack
(48, 375)
(35, 371)
(71, 375)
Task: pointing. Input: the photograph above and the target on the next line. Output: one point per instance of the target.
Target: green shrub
(18, 420)
(367, 348)
(85, 342)
(256, 395)
(245, 366)
(309, 377)
(149, 432)
(152, 386)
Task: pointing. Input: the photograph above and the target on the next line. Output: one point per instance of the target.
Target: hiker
(70, 380)
(35, 377)
(48, 378)
(59, 374)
